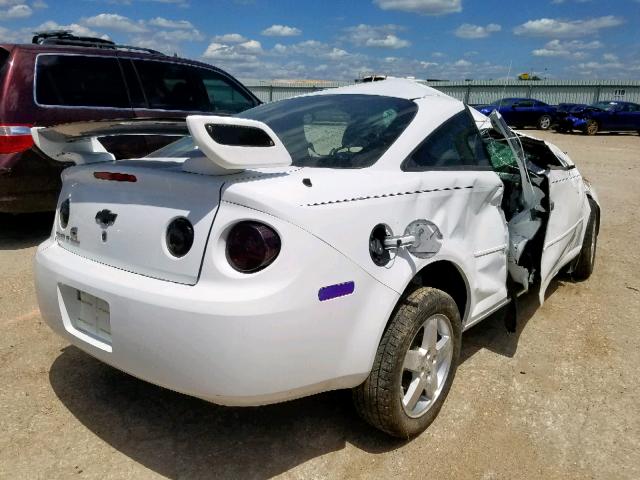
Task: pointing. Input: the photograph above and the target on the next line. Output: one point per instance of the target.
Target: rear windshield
(4, 56)
(330, 131)
(336, 131)
(80, 81)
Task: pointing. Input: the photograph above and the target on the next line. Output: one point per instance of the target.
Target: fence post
(271, 92)
(596, 95)
(467, 94)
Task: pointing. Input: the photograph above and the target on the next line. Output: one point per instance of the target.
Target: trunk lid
(135, 241)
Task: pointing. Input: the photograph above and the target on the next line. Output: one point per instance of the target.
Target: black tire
(544, 122)
(591, 128)
(587, 257)
(379, 399)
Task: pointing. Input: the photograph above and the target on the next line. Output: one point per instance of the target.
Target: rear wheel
(414, 365)
(591, 127)
(587, 258)
(544, 122)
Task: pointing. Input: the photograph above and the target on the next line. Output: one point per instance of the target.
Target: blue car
(610, 116)
(523, 112)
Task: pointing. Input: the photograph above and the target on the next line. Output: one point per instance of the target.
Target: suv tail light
(252, 246)
(15, 138)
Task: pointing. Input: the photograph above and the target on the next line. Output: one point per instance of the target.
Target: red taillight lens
(252, 246)
(15, 138)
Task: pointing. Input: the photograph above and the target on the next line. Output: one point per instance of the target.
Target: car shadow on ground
(24, 231)
(180, 436)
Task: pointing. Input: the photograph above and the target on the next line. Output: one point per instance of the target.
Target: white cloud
(75, 28)
(230, 38)
(171, 24)
(16, 11)
(242, 52)
(462, 63)
(469, 31)
(388, 41)
(568, 49)
(312, 49)
(114, 21)
(550, 27)
(610, 57)
(281, 31)
(377, 36)
(601, 66)
(424, 7)
(10, 36)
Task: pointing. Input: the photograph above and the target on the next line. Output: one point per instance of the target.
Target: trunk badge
(105, 218)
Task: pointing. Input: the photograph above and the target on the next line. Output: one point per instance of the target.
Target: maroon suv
(61, 78)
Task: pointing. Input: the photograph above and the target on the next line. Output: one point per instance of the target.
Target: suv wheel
(414, 365)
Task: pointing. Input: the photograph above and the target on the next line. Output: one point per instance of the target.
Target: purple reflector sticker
(337, 290)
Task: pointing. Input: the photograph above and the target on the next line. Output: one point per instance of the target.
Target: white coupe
(343, 239)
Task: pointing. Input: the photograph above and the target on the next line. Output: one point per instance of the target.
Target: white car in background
(343, 239)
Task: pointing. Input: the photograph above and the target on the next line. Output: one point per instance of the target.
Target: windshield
(331, 131)
(605, 105)
(505, 102)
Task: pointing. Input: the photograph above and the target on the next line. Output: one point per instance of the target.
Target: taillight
(252, 246)
(179, 237)
(63, 214)
(15, 138)
(115, 176)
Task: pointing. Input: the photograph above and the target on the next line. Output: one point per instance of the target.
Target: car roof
(390, 87)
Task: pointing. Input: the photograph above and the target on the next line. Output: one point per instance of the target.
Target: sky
(344, 40)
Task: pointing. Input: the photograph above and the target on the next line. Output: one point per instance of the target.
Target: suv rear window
(174, 86)
(80, 81)
(4, 56)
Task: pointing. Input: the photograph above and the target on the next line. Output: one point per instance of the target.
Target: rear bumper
(198, 341)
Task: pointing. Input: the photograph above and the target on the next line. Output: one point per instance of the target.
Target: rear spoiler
(228, 144)
(78, 142)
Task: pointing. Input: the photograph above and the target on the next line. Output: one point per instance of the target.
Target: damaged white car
(343, 239)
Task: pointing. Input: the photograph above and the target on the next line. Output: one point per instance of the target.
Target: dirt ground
(558, 399)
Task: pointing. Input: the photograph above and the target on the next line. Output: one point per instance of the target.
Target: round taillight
(252, 246)
(179, 237)
(65, 211)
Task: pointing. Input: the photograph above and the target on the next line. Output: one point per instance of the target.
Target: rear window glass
(80, 81)
(329, 131)
(4, 56)
(336, 131)
(173, 86)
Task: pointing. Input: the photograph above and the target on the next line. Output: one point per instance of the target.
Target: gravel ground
(557, 399)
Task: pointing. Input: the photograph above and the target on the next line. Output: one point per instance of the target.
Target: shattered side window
(456, 145)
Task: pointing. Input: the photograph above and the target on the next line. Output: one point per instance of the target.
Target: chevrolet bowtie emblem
(105, 218)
